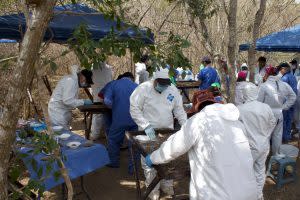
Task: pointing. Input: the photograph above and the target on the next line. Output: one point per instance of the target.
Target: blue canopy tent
(287, 40)
(7, 41)
(66, 19)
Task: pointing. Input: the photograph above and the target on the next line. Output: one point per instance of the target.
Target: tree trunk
(232, 44)
(255, 34)
(30, 46)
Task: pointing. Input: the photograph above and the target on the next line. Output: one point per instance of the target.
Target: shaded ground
(116, 184)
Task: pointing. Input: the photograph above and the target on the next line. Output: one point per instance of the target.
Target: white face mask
(279, 75)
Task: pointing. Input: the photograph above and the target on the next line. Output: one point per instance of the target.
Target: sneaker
(112, 166)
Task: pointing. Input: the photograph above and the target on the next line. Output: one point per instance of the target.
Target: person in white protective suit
(240, 84)
(141, 73)
(65, 96)
(219, 154)
(259, 122)
(102, 74)
(260, 70)
(152, 106)
(279, 96)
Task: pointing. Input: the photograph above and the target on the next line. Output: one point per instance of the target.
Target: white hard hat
(161, 73)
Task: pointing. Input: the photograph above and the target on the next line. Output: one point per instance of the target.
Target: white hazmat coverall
(101, 76)
(239, 99)
(141, 73)
(64, 99)
(219, 155)
(279, 96)
(259, 122)
(148, 107)
(259, 75)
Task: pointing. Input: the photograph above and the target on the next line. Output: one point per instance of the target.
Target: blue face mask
(160, 88)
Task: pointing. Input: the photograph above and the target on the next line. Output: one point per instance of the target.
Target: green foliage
(92, 52)
(37, 143)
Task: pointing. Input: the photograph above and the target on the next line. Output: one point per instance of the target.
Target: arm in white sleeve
(137, 100)
(177, 144)
(178, 111)
(290, 97)
(272, 120)
(261, 94)
(139, 68)
(70, 94)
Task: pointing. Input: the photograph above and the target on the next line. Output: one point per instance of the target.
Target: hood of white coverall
(250, 92)
(229, 112)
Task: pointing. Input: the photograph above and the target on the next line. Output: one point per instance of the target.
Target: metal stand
(83, 190)
(161, 174)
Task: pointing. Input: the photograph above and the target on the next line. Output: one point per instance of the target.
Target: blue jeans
(115, 140)
(287, 124)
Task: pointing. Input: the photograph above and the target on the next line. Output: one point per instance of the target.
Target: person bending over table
(219, 153)
(65, 96)
(116, 96)
(152, 105)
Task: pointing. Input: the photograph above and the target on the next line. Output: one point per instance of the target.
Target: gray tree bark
(255, 34)
(30, 46)
(232, 46)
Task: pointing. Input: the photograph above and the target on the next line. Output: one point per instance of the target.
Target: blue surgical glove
(150, 132)
(87, 102)
(148, 161)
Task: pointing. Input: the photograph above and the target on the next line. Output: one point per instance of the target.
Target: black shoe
(112, 166)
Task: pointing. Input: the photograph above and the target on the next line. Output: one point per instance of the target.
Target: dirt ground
(116, 184)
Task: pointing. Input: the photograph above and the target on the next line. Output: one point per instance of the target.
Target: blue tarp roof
(287, 40)
(62, 25)
(7, 41)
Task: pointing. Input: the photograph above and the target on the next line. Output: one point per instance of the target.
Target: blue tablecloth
(78, 161)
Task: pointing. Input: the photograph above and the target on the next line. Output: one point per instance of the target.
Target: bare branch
(255, 34)
(168, 15)
(142, 17)
(33, 2)
(225, 7)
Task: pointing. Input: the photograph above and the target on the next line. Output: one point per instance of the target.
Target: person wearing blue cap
(208, 75)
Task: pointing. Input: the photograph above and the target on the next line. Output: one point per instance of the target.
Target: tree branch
(168, 15)
(255, 34)
(142, 17)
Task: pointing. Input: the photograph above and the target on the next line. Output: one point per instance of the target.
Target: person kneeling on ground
(220, 158)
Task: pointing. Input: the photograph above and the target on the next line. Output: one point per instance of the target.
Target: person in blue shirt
(107, 117)
(286, 75)
(208, 75)
(117, 98)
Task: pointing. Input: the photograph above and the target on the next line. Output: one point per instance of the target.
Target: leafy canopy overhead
(92, 52)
